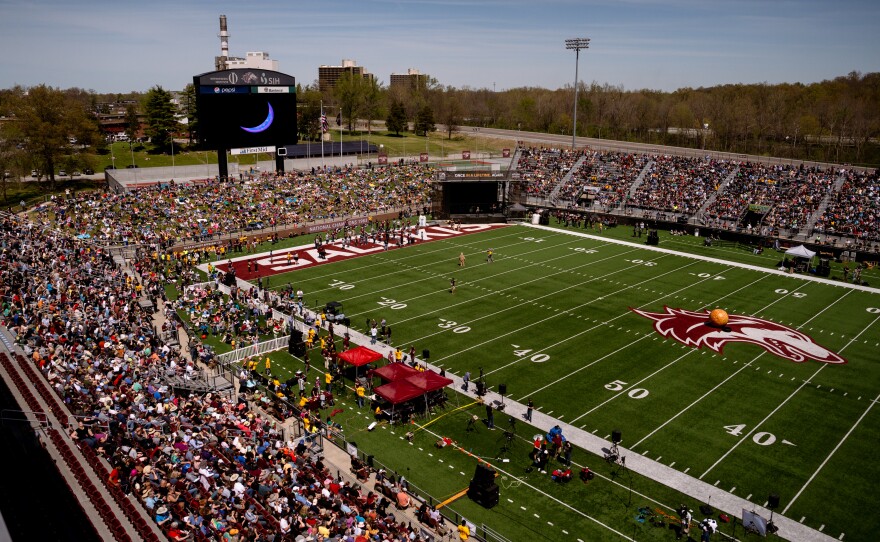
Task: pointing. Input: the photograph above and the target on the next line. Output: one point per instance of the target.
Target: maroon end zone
(278, 262)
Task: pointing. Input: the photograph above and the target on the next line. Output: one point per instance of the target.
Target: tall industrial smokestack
(220, 63)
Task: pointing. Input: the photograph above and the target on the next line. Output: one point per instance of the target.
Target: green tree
(396, 120)
(190, 111)
(160, 117)
(372, 102)
(424, 121)
(47, 117)
(132, 121)
(349, 94)
(450, 112)
(309, 113)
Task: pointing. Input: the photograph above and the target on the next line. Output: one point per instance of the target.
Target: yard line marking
(748, 434)
(839, 444)
(532, 324)
(707, 259)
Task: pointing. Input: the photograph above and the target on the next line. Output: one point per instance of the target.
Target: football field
(605, 335)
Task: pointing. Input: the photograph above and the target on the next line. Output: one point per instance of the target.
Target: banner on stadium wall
(755, 208)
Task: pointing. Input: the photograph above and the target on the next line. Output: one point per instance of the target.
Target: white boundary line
(713, 260)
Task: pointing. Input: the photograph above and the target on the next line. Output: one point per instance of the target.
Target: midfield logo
(692, 328)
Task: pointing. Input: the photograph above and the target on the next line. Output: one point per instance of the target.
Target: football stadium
(557, 337)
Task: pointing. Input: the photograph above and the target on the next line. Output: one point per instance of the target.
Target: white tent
(800, 251)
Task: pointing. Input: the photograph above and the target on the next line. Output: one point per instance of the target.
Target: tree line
(835, 120)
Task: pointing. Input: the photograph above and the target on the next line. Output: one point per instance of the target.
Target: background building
(412, 79)
(328, 75)
(258, 60)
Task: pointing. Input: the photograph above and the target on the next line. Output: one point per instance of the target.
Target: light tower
(220, 61)
(577, 44)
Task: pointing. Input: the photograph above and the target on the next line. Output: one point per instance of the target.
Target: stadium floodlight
(577, 44)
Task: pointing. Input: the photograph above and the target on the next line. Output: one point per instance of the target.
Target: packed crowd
(207, 467)
(171, 211)
(855, 209)
(544, 168)
(800, 199)
(604, 179)
(676, 184)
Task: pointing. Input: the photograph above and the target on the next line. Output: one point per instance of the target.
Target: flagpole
(322, 135)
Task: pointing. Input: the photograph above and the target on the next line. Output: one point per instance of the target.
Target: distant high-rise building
(411, 79)
(328, 75)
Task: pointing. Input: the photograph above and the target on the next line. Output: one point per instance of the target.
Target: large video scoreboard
(246, 108)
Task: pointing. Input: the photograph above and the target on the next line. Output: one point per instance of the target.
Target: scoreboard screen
(246, 108)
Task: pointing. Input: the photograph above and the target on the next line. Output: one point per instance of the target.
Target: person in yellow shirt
(328, 381)
(464, 532)
(361, 392)
(268, 366)
(398, 355)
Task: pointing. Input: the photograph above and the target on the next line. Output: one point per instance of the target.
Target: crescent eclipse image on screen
(263, 125)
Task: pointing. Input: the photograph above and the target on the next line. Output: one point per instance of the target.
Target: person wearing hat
(162, 515)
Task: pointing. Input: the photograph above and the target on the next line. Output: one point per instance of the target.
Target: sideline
(719, 261)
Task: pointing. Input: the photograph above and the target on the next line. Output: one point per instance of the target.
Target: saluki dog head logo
(692, 328)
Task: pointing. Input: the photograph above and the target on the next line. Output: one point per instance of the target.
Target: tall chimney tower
(220, 61)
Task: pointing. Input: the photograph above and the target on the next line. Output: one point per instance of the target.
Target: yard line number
(642, 262)
(341, 285)
(635, 393)
(584, 250)
(532, 239)
(783, 291)
(762, 438)
(391, 304)
(524, 352)
(452, 325)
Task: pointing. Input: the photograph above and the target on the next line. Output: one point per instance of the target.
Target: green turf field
(551, 318)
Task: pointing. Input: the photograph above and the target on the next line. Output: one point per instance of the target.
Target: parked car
(34, 173)
(89, 171)
(62, 173)
(75, 174)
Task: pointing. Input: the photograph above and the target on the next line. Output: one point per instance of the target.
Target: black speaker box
(426, 353)
(502, 389)
(615, 436)
(481, 387)
(484, 476)
(485, 496)
(773, 500)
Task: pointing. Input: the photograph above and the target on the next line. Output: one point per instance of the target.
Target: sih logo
(692, 328)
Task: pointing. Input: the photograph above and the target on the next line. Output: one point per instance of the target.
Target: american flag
(324, 127)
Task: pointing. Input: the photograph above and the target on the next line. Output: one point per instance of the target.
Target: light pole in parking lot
(577, 44)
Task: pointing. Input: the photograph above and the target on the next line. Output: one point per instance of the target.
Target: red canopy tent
(360, 355)
(394, 371)
(429, 381)
(399, 391)
(407, 389)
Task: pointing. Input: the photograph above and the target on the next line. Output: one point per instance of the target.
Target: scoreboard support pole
(222, 164)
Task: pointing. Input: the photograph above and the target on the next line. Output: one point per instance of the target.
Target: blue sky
(123, 45)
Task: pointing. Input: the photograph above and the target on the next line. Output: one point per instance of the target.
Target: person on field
(452, 285)
(489, 254)
(461, 259)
